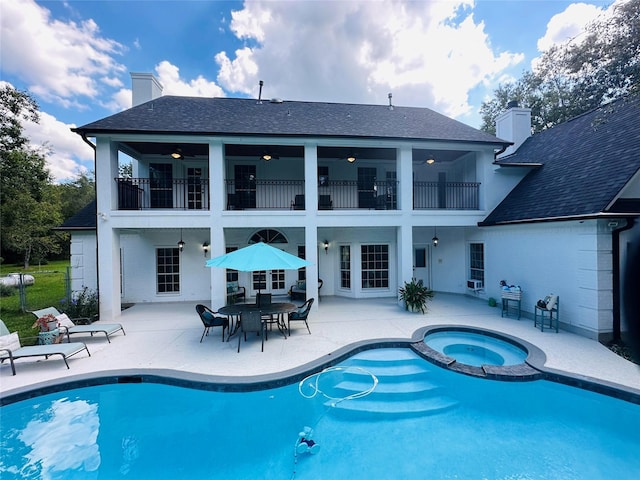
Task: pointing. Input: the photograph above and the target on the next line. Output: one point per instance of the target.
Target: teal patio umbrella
(257, 257)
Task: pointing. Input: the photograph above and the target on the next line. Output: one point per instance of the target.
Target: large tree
(600, 65)
(29, 203)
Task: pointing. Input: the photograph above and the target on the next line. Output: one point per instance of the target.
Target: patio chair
(11, 348)
(251, 322)
(298, 203)
(210, 320)
(76, 326)
(325, 202)
(301, 315)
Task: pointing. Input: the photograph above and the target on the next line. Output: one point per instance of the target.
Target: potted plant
(48, 329)
(415, 295)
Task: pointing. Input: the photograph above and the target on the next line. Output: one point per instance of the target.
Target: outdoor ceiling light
(351, 158)
(177, 153)
(435, 240)
(326, 246)
(266, 157)
(430, 160)
(205, 247)
(181, 243)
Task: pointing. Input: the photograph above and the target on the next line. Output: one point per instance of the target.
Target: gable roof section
(85, 219)
(585, 164)
(235, 116)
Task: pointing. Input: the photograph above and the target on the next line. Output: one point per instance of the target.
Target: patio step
(405, 386)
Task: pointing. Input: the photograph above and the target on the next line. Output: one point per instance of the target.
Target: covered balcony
(261, 177)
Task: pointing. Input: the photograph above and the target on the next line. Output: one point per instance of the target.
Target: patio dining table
(278, 308)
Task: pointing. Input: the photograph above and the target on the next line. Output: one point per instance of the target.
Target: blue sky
(75, 57)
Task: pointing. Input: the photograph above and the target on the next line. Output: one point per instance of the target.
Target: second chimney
(144, 88)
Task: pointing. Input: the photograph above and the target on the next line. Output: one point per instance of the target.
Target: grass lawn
(47, 291)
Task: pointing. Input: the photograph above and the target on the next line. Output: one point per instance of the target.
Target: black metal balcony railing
(351, 194)
(262, 194)
(149, 193)
(193, 194)
(446, 195)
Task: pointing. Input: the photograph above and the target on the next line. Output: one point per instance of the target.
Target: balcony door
(245, 179)
(366, 187)
(161, 185)
(196, 190)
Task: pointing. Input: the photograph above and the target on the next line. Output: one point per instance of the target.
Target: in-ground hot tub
(475, 348)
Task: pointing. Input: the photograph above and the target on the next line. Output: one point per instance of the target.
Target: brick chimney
(514, 125)
(144, 88)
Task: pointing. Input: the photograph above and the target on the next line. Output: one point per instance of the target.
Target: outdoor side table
(511, 301)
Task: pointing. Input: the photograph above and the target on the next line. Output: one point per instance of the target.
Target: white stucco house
(361, 191)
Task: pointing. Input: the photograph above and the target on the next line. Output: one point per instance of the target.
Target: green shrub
(82, 305)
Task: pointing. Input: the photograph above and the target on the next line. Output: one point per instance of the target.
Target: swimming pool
(421, 421)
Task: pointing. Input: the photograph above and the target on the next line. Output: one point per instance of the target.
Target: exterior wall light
(326, 246)
(205, 247)
(435, 240)
(181, 243)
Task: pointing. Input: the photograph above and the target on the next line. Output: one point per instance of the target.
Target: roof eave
(587, 216)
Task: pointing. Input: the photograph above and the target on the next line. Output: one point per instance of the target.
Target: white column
(405, 254)
(404, 165)
(218, 198)
(108, 238)
(311, 178)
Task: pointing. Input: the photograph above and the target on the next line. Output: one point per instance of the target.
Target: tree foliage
(29, 202)
(569, 79)
(15, 107)
(76, 194)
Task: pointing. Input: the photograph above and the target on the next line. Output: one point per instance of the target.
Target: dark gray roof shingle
(585, 163)
(85, 219)
(235, 116)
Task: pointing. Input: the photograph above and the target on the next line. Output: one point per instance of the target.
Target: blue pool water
(475, 348)
(420, 422)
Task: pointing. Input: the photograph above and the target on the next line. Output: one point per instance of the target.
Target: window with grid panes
(167, 270)
(345, 266)
(375, 266)
(232, 275)
(476, 261)
(302, 272)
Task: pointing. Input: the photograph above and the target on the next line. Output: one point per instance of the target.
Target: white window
(345, 267)
(476, 262)
(375, 266)
(168, 270)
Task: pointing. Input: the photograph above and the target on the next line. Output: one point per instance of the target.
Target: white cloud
(568, 25)
(425, 53)
(69, 153)
(58, 60)
(169, 77)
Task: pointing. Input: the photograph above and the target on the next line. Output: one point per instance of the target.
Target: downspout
(95, 187)
(615, 253)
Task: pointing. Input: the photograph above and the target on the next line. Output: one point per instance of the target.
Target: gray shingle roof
(85, 219)
(585, 163)
(235, 116)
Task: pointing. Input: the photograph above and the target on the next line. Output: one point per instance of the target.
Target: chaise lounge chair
(69, 326)
(11, 349)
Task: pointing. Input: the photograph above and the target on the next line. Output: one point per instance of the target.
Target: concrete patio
(167, 337)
